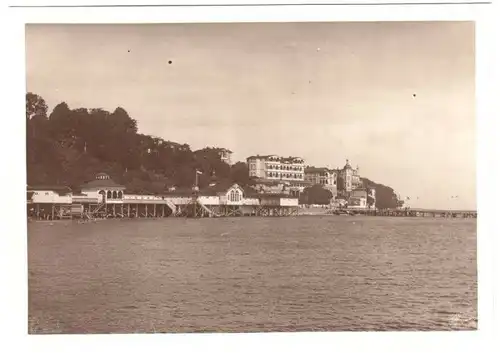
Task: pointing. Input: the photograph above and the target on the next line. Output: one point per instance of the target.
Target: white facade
(233, 196)
(104, 189)
(225, 156)
(350, 177)
(87, 199)
(209, 200)
(276, 168)
(109, 195)
(49, 196)
(322, 176)
(284, 201)
(251, 202)
(357, 203)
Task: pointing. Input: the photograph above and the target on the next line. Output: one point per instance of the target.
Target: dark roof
(257, 156)
(270, 195)
(215, 149)
(347, 165)
(178, 192)
(269, 182)
(217, 188)
(281, 159)
(250, 192)
(315, 170)
(61, 190)
(101, 183)
(311, 169)
(214, 190)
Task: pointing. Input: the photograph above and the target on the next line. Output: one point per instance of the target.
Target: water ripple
(285, 274)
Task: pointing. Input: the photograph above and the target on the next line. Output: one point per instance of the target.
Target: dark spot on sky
(414, 95)
(128, 50)
(170, 61)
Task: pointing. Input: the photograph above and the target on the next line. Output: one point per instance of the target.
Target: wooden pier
(152, 206)
(411, 213)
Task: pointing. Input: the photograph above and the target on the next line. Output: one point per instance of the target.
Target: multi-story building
(277, 173)
(273, 167)
(348, 178)
(362, 198)
(225, 155)
(322, 176)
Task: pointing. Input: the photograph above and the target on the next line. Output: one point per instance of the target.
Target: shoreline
(304, 214)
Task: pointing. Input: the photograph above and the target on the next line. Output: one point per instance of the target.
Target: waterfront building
(359, 192)
(322, 176)
(223, 199)
(348, 178)
(357, 202)
(104, 189)
(358, 198)
(49, 202)
(362, 198)
(265, 186)
(103, 198)
(272, 167)
(49, 195)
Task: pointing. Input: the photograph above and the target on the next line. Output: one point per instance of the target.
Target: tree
(239, 174)
(385, 197)
(316, 195)
(35, 106)
(70, 146)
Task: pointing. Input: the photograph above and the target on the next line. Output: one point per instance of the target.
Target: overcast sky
(397, 99)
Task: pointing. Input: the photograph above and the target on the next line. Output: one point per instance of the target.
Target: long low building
(103, 197)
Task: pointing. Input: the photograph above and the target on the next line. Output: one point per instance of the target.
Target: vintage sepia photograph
(251, 177)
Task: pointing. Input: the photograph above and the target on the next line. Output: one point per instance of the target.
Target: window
(115, 195)
(108, 195)
(234, 196)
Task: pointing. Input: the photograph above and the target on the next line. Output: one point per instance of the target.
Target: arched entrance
(103, 195)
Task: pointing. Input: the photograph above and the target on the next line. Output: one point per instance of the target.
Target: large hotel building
(322, 176)
(276, 168)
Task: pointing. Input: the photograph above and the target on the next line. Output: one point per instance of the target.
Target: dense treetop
(70, 146)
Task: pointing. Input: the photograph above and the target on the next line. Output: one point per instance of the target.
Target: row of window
(284, 175)
(322, 181)
(112, 194)
(283, 167)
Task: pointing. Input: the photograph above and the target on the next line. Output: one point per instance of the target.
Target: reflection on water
(252, 274)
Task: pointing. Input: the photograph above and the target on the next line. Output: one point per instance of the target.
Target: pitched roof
(218, 188)
(275, 195)
(59, 189)
(270, 182)
(280, 159)
(179, 192)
